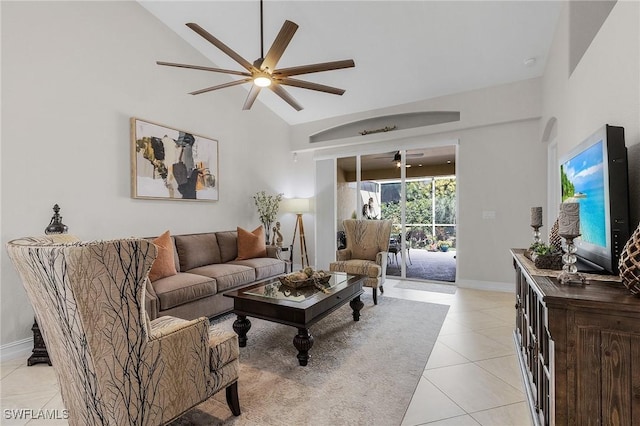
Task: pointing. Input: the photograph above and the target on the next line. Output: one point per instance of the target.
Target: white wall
(501, 169)
(73, 73)
(501, 174)
(603, 89)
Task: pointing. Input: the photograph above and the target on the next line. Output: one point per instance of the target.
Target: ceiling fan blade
(220, 45)
(311, 86)
(253, 94)
(307, 69)
(221, 86)
(198, 67)
(279, 45)
(279, 90)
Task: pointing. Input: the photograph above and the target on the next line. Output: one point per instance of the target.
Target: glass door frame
(350, 149)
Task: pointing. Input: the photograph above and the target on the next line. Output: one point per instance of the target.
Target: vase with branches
(268, 206)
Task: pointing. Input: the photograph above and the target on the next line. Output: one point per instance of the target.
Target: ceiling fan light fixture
(264, 72)
(262, 81)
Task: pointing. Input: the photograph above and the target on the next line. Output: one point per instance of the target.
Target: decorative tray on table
(305, 278)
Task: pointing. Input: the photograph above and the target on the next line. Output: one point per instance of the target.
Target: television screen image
(583, 180)
(594, 174)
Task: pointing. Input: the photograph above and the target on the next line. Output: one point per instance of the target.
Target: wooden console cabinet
(578, 348)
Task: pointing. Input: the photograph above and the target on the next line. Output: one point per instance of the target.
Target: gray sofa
(206, 268)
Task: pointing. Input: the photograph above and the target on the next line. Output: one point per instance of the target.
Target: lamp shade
(297, 205)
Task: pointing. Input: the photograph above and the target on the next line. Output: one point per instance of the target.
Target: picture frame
(172, 164)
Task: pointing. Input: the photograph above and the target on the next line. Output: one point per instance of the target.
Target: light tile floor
(471, 377)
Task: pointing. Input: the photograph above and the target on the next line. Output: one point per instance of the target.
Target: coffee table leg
(242, 326)
(356, 304)
(303, 343)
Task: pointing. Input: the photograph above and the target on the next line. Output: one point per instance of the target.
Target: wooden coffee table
(301, 308)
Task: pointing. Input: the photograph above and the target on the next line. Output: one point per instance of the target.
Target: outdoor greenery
(420, 210)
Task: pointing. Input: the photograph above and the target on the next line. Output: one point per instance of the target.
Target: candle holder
(569, 274)
(536, 234)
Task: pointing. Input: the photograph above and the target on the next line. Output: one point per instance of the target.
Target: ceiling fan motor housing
(263, 72)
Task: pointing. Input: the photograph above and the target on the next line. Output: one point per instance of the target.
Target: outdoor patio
(426, 265)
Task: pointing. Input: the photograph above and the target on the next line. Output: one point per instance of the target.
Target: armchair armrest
(180, 355)
(167, 325)
(343, 254)
(381, 259)
(150, 301)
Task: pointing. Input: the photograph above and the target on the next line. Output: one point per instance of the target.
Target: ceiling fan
(263, 72)
(397, 158)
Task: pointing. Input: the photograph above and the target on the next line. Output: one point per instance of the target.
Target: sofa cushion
(265, 266)
(183, 288)
(251, 244)
(357, 266)
(176, 258)
(228, 243)
(164, 264)
(227, 275)
(195, 250)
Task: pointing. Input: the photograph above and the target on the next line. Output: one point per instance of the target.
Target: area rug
(438, 288)
(360, 373)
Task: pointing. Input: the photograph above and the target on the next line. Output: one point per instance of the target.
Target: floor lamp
(300, 206)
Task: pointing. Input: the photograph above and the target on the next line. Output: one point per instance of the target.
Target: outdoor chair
(114, 366)
(366, 252)
(395, 247)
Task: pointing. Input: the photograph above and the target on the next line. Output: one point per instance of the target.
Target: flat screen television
(594, 174)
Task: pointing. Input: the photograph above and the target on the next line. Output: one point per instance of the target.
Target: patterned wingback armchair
(366, 252)
(113, 365)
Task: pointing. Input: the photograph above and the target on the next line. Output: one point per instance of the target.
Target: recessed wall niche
(387, 123)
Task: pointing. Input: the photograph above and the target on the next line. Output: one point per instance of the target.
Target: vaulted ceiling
(404, 51)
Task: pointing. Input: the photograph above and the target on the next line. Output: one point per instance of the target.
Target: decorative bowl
(304, 283)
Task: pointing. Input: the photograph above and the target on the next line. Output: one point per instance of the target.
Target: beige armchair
(113, 365)
(366, 252)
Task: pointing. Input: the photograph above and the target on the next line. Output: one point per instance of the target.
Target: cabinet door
(607, 370)
(531, 318)
(521, 291)
(544, 353)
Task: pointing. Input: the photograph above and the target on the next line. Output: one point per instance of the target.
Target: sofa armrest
(272, 251)
(151, 300)
(343, 254)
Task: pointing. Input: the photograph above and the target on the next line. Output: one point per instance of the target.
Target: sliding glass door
(418, 194)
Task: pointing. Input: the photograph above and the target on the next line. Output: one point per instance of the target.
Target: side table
(40, 353)
(288, 262)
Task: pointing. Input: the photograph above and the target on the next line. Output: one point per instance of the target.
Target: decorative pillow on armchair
(164, 265)
(251, 244)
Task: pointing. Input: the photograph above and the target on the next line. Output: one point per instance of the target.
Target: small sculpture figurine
(56, 226)
(277, 234)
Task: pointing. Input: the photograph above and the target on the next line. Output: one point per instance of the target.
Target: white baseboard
(17, 349)
(487, 285)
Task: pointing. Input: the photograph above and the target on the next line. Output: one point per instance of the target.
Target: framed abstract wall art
(171, 164)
